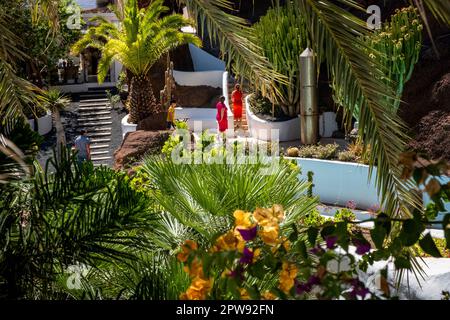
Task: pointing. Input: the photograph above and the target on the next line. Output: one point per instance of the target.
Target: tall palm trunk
(60, 134)
(141, 100)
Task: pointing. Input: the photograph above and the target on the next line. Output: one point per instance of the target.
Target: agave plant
(140, 40)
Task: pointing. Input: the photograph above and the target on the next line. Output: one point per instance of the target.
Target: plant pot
(44, 124)
(262, 129)
(127, 127)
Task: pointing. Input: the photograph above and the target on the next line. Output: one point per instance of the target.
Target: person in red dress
(236, 98)
(221, 116)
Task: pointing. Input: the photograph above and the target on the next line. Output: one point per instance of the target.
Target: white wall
(204, 78)
(203, 61)
(338, 182)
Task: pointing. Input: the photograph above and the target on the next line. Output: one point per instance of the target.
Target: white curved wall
(338, 182)
(203, 61)
(203, 78)
(263, 129)
(127, 127)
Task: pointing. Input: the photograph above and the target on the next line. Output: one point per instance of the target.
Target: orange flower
(229, 241)
(244, 294)
(242, 219)
(198, 289)
(186, 249)
(269, 234)
(287, 277)
(268, 296)
(195, 269)
(264, 217)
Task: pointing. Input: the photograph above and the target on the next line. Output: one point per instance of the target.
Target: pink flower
(351, 205)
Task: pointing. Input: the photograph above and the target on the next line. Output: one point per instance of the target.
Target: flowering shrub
(260, 258)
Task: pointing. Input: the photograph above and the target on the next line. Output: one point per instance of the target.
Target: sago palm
(139, 41)
(56, 102)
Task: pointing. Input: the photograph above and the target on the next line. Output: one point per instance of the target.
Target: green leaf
(428, 246)
(446, 228)
(411, 232)
(327, 231)
(378, 235)
(402, 263)
(312, 235)
(301, 248)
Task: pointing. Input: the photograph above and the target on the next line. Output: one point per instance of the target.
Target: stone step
(85, 109)
(100, 140)
(82, 105)
(98, 129)
(104, 100)
(99, 113)
(100, 158)
(94, 119)
(90, 124)
(98, 134)
(99, 146)
(96, 153)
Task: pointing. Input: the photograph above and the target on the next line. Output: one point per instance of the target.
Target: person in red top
(236, 98)
(221, 116)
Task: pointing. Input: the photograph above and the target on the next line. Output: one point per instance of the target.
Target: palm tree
(56, 102)
(142, 38)
(77, 215)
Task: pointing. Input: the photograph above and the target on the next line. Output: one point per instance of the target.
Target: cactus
(282, 35)
(397, 47)
(169, 85)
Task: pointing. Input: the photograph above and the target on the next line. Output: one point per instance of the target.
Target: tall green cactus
(282, 35)
(397, 46)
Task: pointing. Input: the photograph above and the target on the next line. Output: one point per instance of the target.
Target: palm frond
(203, 197)
(235, 38)
(337, 38)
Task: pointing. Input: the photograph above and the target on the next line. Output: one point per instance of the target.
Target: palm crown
(138, 42)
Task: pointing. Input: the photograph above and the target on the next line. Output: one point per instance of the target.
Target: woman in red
(236, 98)
(221, 116)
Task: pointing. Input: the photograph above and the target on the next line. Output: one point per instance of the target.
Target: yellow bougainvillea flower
(229, 241)
(198, 290)
(264, 217)
(186, 249)
(242, 219)
(244, 294)
(267, 295)
(271, 216)
(195, 269)
(287, 277)
(269, 234)
(278, 212)
(286, 244)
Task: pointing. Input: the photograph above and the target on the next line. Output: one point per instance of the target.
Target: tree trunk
(60, 134)
(141, 100)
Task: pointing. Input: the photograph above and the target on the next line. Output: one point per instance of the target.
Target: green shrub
(313, 219)
(346, 156)
(326, 152)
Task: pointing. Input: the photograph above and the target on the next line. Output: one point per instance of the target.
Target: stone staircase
(94, 115)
